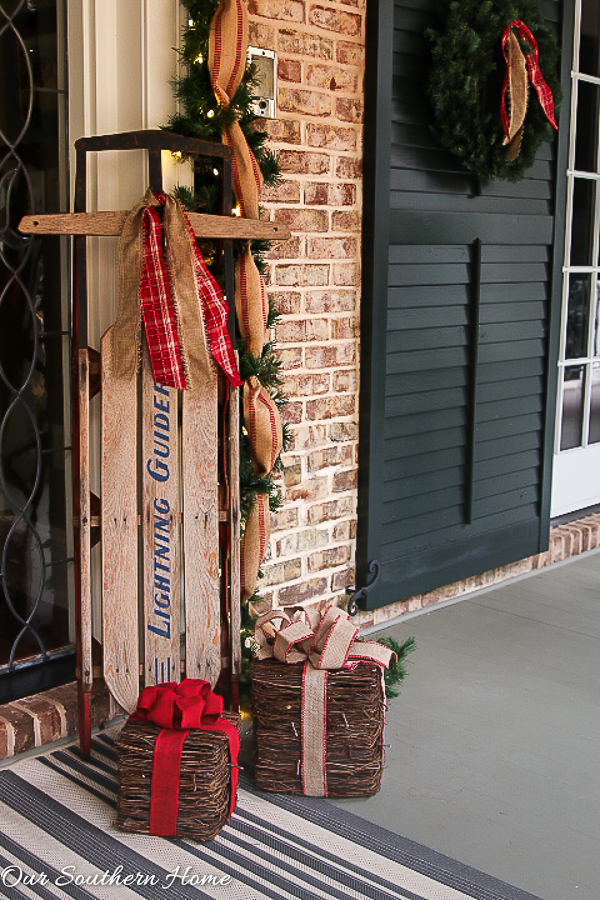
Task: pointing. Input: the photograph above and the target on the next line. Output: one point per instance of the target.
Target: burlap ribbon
(228, 44)
(322, 642)
(196, 359)
(521, 67)
(177, 708)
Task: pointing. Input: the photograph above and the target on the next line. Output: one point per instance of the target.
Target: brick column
(315, 277)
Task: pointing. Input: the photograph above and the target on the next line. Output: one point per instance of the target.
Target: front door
(576, 481)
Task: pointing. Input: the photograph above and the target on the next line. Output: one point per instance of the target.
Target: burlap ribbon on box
(228, 46)
(322, 642)
(182, 308)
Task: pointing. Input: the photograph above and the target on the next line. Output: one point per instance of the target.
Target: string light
(215, 171)
(199, 58)
(177, 154)
(210, 113)
(236, 211)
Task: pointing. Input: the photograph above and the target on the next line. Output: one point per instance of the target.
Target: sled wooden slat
(234, 531)
(200, 478)
(160, 528)
(106, 224)
(85, 519)
(119, 531)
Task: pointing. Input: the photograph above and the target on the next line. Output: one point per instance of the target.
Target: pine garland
(465, 84)
(200, 115)
(397, 672)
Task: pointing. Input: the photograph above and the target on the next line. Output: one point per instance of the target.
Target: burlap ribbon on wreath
(227, 51)
(322, 642)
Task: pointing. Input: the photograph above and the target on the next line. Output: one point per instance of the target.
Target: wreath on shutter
(470, 53)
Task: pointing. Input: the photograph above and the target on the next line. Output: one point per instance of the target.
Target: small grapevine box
(178, 779)
(318, 706)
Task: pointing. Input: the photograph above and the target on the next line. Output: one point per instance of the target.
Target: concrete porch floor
(494, 755)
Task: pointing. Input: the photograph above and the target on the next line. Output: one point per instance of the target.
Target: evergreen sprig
(465, 84)
(200, 115)
(397, 671)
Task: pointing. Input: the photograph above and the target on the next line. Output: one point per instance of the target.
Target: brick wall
(315, 277)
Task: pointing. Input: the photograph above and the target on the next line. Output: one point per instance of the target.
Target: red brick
(292, 413)
(290, 10)
(47, 716)
(308, 385)
(321, 193)
(332, 78)
(289, 70)
(284, 131)
(343, 431)
(291, 249)
(307, 539)
(345, 381)
(330, 301)
(308, 436)
(302, 275)
(330, 407)
(335, 20)
(303, 220)
(349, 53)
(349, 109)
(333, 509)
(23, 726)
(328, 559)
(282, 572)
(285, 191)
(313, 489)
(292, 474)
(345, 578)
(310, 103)
(66, 696)
(261, 34)
(332, 248)
(284, 518)
(302, 162)
(330, 456)
(302, 43)
(4, 740)
(331, 137)
(345, 531)
(344, 328)
(346, 221)
(292, 331)
(330, 356)
(286, 302)
(346, 274)
(300, 593)
(345, 481)
(348, 167)
(291, 358)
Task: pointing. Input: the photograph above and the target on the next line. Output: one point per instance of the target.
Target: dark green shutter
(461, 304)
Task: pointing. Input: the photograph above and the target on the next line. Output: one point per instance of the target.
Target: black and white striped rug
(58, 840)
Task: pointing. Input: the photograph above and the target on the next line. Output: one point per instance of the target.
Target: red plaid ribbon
(533, 67)
(158, 311)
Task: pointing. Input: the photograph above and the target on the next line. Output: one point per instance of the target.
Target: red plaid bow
(533, 67)
(158, 310)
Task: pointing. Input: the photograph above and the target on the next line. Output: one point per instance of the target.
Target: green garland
(465, 84)
(202, 116)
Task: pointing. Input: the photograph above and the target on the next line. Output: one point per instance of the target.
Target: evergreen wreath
(465, 84)
(200, 115)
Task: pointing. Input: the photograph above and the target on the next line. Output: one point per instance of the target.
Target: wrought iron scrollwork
(374, 569)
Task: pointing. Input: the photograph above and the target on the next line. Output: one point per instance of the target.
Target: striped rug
(58, 840)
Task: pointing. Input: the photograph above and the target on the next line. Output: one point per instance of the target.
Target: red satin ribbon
(177, 708)
(533, 67)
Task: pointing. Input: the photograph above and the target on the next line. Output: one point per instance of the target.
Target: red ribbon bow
(177, 708)
(533, 67)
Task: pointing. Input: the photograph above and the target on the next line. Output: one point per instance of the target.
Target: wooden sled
(168, 518)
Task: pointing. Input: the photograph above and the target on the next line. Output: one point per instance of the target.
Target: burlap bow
(322, 642)
(177, 708)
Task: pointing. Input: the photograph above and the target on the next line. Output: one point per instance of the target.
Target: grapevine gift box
(318, 704)
(177, 759)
